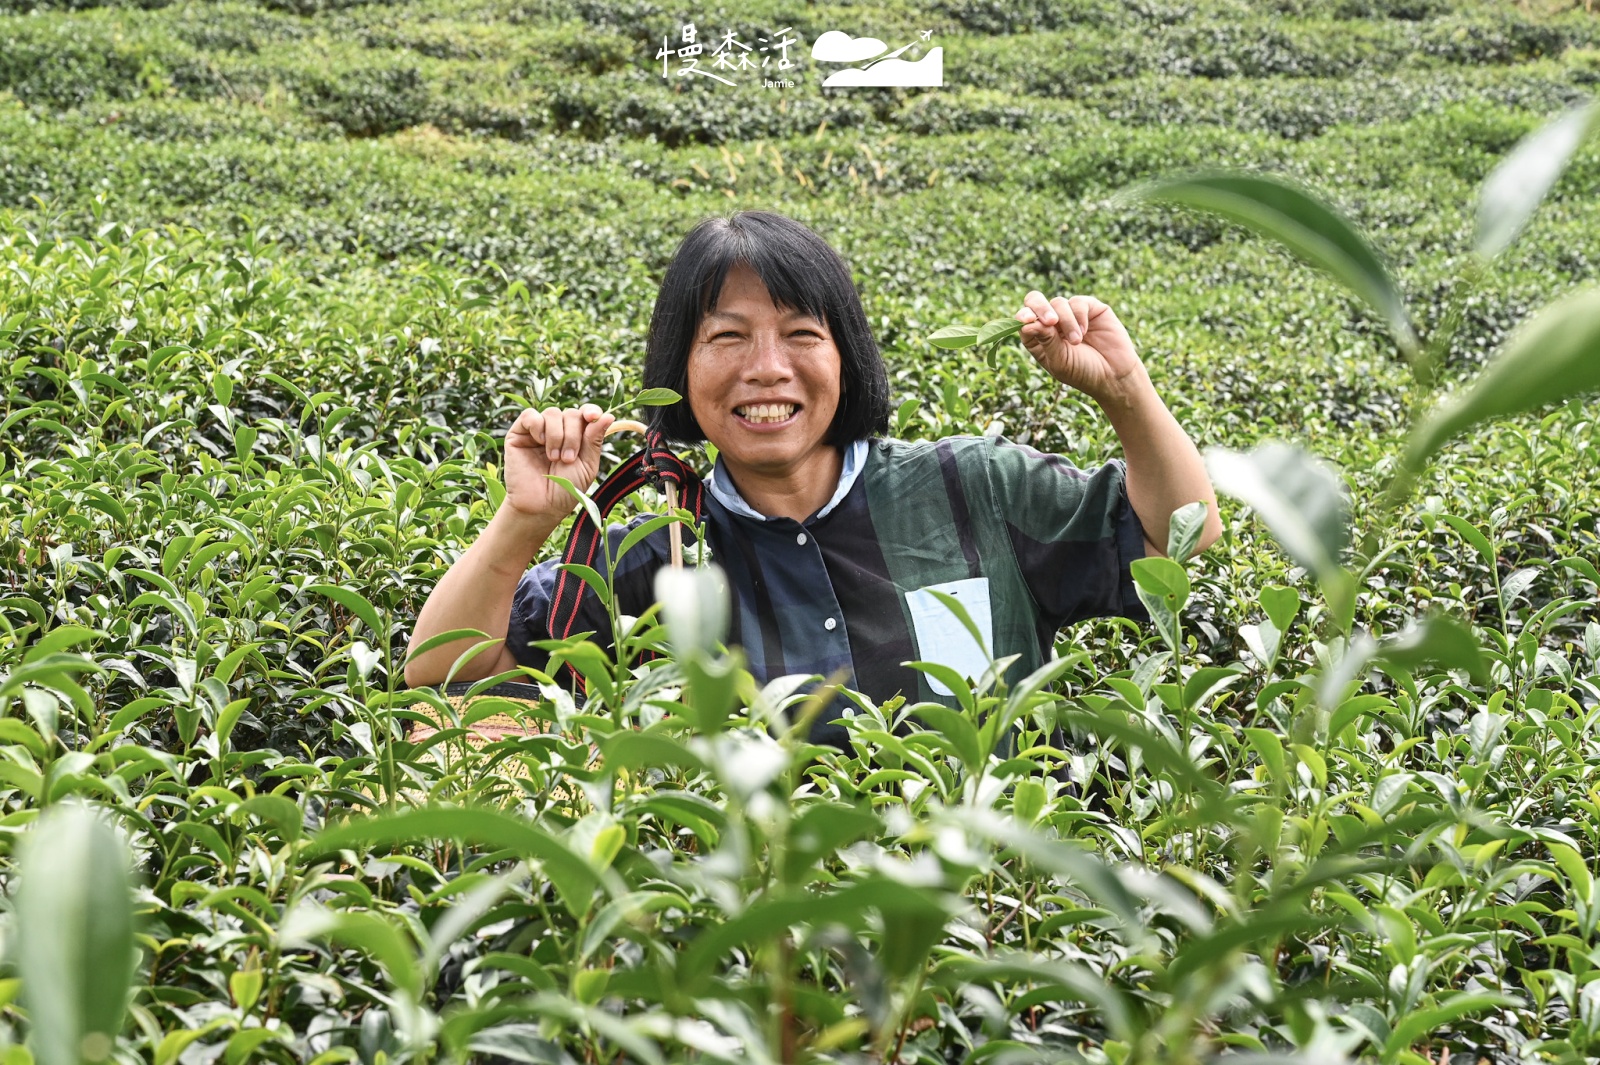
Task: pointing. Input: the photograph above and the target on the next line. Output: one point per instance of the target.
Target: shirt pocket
(942, 638)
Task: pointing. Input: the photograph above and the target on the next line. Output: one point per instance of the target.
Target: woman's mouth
(765, 414)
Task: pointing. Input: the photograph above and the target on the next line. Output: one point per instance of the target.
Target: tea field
(276, 276)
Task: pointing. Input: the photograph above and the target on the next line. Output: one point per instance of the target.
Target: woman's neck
(794, 493)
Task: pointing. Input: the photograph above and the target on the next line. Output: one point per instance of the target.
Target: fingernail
(1050, 319)
(568, 455)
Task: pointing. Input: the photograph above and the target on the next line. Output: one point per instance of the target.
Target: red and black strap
(653, 464)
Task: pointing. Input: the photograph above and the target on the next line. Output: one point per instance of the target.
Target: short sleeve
(530, 614)
(1074, 533)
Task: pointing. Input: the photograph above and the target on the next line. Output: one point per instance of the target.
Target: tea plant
(273, 279)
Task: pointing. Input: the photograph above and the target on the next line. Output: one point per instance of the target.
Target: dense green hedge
(274, 277)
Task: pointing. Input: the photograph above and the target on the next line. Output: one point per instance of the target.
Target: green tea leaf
(571, 875)
(997, 330)
(656, 397)
(59, 639)
(638, 750)
(1184, 529)
(1205, 683)
(1281, 605)
(1472, 535)
(74, 933)
(1299, 498)
(1416, 1025)
(1553, 357)
(591, 577)
(1027, 801)
(354, 602)
(1308, 227)
(278, 811)
(1519, 183)
(1439, 640)
(1269, 748)
(954, 336)
(1163, 587)
(1576, 870)
(368, 932)
(957, 729)
(819, 832)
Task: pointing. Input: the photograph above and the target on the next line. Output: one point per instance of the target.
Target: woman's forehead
(743, 291)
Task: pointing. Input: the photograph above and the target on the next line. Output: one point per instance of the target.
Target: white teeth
(766, 412)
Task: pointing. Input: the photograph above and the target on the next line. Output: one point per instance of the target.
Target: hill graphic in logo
(837, 47)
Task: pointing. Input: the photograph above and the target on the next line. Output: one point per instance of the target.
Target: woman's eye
(797, 332)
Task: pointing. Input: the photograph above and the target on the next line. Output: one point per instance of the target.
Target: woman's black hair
(801, 272)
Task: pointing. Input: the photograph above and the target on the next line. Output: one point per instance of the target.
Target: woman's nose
(768, 360)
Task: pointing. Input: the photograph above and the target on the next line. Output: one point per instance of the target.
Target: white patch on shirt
(941, 637)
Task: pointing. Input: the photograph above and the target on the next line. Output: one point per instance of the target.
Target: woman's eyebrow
(735, 316)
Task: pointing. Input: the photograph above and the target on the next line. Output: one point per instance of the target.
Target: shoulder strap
(652, 464)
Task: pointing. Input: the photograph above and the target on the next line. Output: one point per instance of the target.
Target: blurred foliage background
(275, 276)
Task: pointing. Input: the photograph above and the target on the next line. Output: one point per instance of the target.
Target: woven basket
(491, 729)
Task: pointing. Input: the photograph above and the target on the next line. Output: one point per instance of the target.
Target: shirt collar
(721, 484)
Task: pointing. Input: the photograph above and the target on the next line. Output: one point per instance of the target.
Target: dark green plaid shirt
(1024, 540)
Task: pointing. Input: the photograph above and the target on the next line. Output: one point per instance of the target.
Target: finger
(573, 437)
(1089, 309)
(1035, 302)
(554, 434)
(1075, 319)
(527, 430)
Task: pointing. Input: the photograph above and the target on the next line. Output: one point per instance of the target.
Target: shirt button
(830, 624)
(801, 539)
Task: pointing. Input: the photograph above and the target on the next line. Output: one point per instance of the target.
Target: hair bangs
(790, 289)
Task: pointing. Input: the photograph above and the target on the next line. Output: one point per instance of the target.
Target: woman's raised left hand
(1080, 342)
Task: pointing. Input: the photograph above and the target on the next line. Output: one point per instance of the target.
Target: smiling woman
(759, 326)
(833, 537)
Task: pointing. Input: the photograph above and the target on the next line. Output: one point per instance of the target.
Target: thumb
(594, 432)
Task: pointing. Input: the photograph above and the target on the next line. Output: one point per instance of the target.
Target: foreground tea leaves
(1555, 356)
(1436, 640)
(1302, 501)
(74, 934)
(1275, 209)
(1519, 183)
(572, 875)
(1300, 498)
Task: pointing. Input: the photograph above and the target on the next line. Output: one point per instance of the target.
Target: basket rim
(509, 689)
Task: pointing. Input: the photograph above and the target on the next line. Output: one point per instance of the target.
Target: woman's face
(764, 382)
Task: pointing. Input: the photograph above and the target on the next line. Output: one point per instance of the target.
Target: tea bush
(275, 277)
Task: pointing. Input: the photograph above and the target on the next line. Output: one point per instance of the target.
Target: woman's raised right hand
(564, 442)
